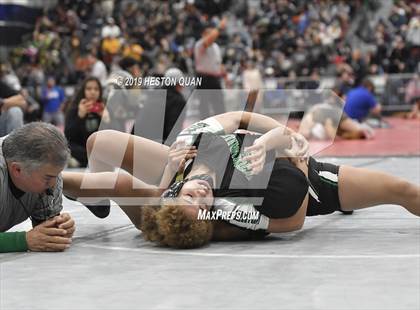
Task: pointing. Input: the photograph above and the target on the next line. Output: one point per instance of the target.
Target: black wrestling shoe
(100, 209)
(347, 212)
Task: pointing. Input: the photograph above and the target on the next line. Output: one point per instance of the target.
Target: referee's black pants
(210, 102)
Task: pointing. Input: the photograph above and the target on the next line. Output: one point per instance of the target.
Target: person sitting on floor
(324, 121)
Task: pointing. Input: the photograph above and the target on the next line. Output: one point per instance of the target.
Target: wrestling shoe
(100, 209)
(346, 212)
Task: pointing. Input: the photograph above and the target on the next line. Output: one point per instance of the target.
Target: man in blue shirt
(360, 102)
(52, 97)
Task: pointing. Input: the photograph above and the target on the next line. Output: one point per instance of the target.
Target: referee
(208, 67)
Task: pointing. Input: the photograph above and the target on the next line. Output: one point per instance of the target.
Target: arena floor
(368, 260)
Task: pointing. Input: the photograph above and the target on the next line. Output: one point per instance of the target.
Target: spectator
(399, 56)
(130, 66)
(208, 66)
(359, 66)
(360, 102)
(415, 110)
(174, 109)
(133, 50)
(162, 118)
(285, 36)
(12, 105)
(413, 32)
(98, 68)
(85, 114)
(252, 81)
(392, 95)
(52, 97)
(123, 94)
(412, 96)
(111, 42)
(345, 83)
(110, 48)
(33, 109)
(110, 30)
(412, 90)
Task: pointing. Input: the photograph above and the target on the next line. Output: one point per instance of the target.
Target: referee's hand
(47, 238)
(65, 221)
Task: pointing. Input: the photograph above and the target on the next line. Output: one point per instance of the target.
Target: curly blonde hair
(168, 225)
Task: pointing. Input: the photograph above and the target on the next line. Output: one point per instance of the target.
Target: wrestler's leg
(128, 192)
(143, 158)
(361, 188)
(106, 184)
(330, 129)
(306, 125)
(349, 129)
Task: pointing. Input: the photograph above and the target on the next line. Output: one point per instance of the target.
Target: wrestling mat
(401, 138)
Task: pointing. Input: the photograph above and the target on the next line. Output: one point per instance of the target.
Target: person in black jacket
(174, 109)
(85, 114)
(158, 117)
(12, 105)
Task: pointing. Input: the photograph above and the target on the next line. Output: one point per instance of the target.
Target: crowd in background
(283, 38)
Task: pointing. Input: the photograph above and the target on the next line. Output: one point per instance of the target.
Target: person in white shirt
(208, 67)
(110, 29)
(98, 69)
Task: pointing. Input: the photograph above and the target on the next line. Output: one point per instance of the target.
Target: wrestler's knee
(90, 142)
(403, 188)
(15, 115)
(109, 134)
